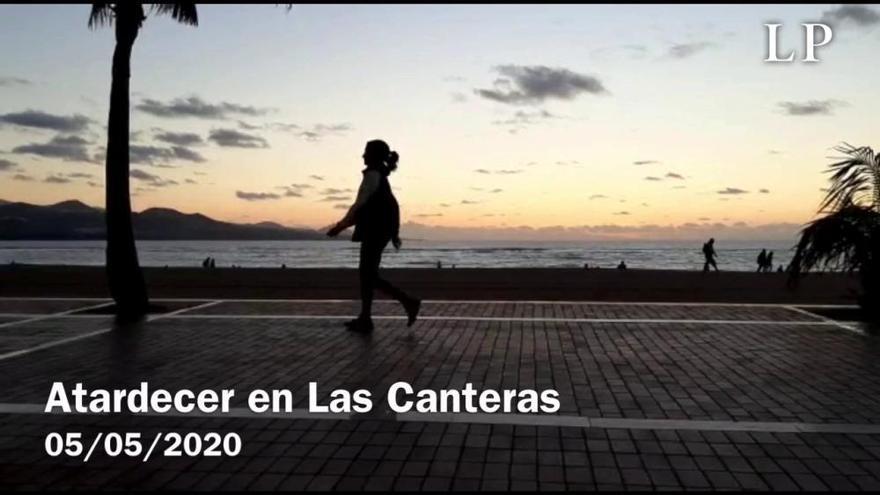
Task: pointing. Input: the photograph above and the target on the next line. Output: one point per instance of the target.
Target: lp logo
(810, 43)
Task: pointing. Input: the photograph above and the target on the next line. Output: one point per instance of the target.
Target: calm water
(738, 255)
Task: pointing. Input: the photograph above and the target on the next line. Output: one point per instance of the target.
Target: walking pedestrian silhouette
(375, 215)
(709, 254)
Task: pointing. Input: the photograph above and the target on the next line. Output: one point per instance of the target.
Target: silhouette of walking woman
(376, 217)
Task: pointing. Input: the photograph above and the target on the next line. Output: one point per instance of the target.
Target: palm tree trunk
(125, 279)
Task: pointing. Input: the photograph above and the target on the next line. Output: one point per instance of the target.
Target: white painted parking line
(839, 324)
(502, 318)
(553, 420)
(458, 301)
(30, 315)
(234, 412)
(55, 343)
(640, 424)
(52, 315)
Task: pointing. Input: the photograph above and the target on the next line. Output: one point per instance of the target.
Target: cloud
(673, 175)
(195, 107)
(67, 148)
(295, 190)
(179, 138)
(811, 107)
(764, 191)
(445, 205)
(645, 162)
(652, 178)
(42, 120)
(330, 199)
(6, 165)
(496, 191)
(333, 190)
(256, 196)
(685, 50)
(598, 196)
(186, 154)
(8, 82)
(232, 138)
(341, 206)
(56, 179)
(859, 15)
(316, 177)
(320, 131)
(520, 84)
(92, 183)
(22, 177)
(458, 97)
(522, 118)
(248, 127)
(499, 171)
(621, 213)
(154, 155)
(190, 181)
(291, 192)
(428, 215)
(469, 202)
(151, 179)
(732, 191)
(79, 175)
(279, 126)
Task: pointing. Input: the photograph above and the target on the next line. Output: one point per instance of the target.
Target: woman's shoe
(412, 308)
(359, 324)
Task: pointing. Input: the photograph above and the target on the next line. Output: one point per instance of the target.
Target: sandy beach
(449, 284)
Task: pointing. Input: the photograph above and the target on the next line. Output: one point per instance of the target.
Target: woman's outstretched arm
(369, 185)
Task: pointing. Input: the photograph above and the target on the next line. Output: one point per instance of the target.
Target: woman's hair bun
(392, 160)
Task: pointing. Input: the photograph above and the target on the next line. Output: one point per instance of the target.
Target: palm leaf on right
(848, 236)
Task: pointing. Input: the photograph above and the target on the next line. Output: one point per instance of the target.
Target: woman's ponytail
(392, 160)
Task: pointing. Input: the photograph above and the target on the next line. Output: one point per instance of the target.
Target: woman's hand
(334, 231)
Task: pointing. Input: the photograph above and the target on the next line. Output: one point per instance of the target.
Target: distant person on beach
(206, 262)
(212, 264)
(709, 254)
(375, 215)
(621, 266)
(762, 261)
(769, 262)
(439, 265)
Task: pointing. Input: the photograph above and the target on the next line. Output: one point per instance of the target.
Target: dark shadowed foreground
(451, 284)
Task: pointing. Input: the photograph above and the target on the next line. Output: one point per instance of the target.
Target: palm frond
(101, 15)
(855, 179)
(184, 13)
(846, 239)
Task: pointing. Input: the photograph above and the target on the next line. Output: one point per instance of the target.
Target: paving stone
(743, 371)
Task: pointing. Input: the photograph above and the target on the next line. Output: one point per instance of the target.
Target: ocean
(678, 255)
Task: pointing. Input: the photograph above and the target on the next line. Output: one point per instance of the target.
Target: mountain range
(74, 220)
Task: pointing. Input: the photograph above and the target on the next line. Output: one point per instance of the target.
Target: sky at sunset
(519, 121)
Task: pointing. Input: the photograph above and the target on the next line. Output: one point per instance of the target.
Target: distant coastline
(74, 220)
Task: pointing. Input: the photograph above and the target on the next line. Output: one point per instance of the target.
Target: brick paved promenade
(653, 396)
